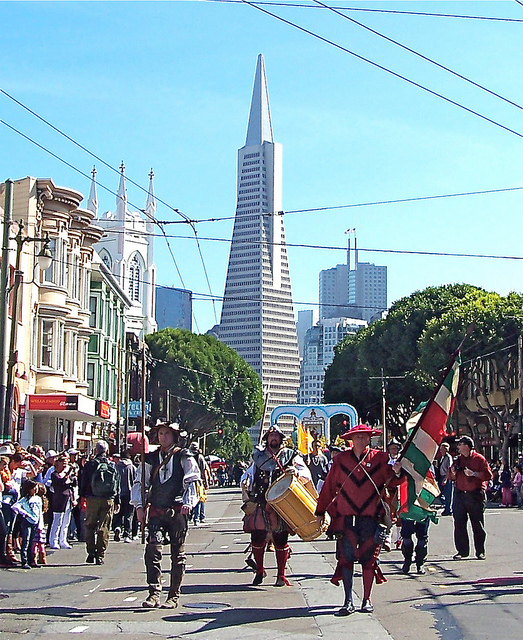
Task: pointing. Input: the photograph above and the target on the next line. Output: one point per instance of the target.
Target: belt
(471, 491)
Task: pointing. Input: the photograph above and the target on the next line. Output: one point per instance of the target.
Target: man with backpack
(100, 487)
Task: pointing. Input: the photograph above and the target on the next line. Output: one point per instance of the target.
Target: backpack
(104, 481)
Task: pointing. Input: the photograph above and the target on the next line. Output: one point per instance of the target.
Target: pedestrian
(100, 489)
(260, 519)
(317, 463)
(198, 513)
(445, 485)
(76, 526)
(505, 478)
(517, 480)
(29, 513)
(123, 520)
(470, 473)
(169, 481)
(352, 496)
(62, 501)
(420, 529)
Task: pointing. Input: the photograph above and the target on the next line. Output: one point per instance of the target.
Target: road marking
(130, 599)
(91, 590)
(78, 629)
(224, 546)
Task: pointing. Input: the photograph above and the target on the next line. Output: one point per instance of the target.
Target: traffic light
(220, 431)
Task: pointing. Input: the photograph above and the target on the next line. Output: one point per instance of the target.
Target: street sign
(135, 409)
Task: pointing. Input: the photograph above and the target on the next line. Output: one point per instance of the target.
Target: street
(469, 600)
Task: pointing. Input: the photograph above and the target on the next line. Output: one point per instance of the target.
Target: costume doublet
(351, 496)
(170, 481)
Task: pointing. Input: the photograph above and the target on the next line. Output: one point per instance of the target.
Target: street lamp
(44, 260)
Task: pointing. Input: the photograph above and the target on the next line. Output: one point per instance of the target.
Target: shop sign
(53, 403)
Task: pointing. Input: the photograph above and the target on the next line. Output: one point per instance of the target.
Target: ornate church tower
(127, 251)
(257, 315)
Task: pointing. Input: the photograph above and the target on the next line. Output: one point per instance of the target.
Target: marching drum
(296, 505)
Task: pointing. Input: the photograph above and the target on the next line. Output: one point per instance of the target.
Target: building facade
(318, 354)
(173, 308)
(127, 251)
(257, 318)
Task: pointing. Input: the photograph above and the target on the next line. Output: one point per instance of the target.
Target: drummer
(352, 497)
(260, 519)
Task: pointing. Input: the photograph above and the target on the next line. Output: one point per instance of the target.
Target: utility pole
(4, 296)
(520, 392)
(383, 380)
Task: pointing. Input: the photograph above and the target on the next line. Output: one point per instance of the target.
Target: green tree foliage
(489, 371)
(213, 383)
(391, 347)
(233, 445)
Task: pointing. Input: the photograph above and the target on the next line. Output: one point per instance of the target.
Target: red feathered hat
(360, 428)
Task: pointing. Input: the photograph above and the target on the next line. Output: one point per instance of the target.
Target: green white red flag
(427, 429)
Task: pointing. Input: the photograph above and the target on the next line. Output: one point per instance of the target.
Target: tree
(489, 372)
(389, 347)
(212, 383)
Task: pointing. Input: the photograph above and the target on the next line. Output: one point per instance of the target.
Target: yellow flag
(303, 439)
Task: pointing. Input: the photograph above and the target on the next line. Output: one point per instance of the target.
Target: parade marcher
(445, 485)
(318, 464)
(470, 473)
(170, 480)
(123, 520)
(260, 519)
(100, 487)
(352, 496)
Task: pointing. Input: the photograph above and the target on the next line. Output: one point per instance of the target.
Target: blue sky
(167, 85)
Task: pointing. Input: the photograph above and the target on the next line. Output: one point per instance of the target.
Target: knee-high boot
(282, 555)
(258, 551)
(406, 550)
(9, 553)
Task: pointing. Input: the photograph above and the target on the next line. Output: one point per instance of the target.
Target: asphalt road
(469, 600)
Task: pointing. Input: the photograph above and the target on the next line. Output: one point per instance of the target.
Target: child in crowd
(30, 516)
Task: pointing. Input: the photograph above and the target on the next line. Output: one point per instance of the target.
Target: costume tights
(347, 573)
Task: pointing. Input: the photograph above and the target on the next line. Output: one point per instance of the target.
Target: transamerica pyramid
(257, 317)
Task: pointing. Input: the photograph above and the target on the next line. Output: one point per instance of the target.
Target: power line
(93, 155)
(379, 66)
(416, 53)
(391, 11)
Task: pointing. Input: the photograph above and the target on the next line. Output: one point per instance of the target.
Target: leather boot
(10, 554)
(282, 555)
(42, 556)
(177, 573)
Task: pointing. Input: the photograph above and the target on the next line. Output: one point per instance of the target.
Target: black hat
(273, 429)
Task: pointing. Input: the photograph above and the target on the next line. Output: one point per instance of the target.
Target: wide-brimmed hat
(174, 426)
(360, 428)
(7, 449)
(273, 429)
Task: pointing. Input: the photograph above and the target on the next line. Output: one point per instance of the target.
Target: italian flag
(427, 427)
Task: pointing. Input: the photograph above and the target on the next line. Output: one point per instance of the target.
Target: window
(90, 379)
(46, 345)
(93, 308)
(57, 271)
(51, 352)
(135, 275)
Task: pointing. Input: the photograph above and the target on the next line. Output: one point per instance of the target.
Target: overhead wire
(383, 68)
(106, 164)
(417, 53)
(368, 10)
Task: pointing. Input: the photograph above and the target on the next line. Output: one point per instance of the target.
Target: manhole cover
(207, 605)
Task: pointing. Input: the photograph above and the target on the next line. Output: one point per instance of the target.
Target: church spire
(92, 202)
(150, 205)
(259, 129)
(121, 196)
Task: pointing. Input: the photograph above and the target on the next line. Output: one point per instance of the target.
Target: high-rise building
(353, 290)
(257, 317)
(318, 353)
(306, 320)
(173, 308)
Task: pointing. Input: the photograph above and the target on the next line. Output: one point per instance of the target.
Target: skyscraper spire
(257, 314)
(92, 203)
(121, 196)
(150, 205)
(259, 129)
